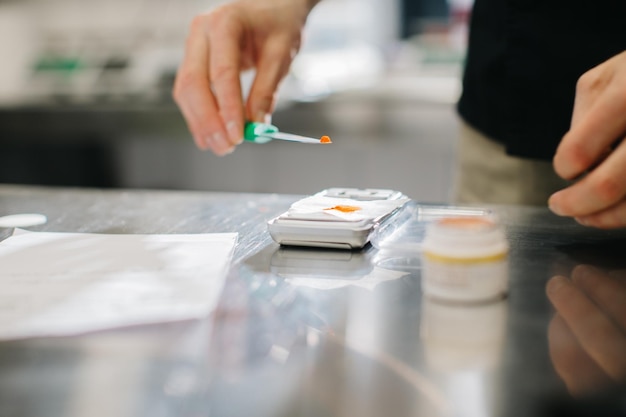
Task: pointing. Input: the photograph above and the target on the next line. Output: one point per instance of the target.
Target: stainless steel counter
(327, 333)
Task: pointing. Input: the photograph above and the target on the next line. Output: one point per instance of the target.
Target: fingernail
(234, 132)
(220, 141)
(554, 206)
(203, 145)
(263, 117)
(556, 283)
(582, 220)
(583, 272)
(208, 143)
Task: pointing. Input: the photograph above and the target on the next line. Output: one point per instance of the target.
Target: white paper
(321, 208)
(69, 283)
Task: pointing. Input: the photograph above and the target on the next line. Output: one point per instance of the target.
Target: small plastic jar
(465, 260)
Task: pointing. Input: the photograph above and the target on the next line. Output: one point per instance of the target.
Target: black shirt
(524, 59)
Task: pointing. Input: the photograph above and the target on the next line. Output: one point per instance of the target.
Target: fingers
(192, 92)
(612, 218)
(233, 37)
(596, 333)
(579, 372)
(600, 191)
(598, 120)
(225, 67)
(607, 292)
(272, 68)
(586, 96)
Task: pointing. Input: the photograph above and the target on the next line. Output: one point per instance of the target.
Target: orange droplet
(344, 209)
(325, 139)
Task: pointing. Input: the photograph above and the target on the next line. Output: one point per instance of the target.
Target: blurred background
(85, 99)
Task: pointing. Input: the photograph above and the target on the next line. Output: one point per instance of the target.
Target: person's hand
(244, 34)
(593, 146)
(587, 336)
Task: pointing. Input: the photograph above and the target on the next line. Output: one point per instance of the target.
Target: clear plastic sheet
(399, 240)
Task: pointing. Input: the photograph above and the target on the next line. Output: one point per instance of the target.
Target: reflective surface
(327, 333)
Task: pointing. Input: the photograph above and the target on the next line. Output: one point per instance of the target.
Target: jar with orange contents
(465, 260)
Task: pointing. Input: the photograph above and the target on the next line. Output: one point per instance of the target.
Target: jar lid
(465, 238)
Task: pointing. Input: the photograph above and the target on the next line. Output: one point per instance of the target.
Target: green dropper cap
(258, 132)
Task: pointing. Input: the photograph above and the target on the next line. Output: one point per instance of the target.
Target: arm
(243, 34)
(594, 146)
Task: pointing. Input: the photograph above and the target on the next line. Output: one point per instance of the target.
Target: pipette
(263, 133)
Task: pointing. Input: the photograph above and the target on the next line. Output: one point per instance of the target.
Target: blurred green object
(57, 64)
(259, 132)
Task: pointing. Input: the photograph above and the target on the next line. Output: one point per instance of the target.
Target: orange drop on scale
(344, 209)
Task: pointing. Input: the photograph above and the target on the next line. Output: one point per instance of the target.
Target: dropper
(264, 132)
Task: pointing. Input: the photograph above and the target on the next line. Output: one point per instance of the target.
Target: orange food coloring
(325, 139)
(344, 209)
(466, 223)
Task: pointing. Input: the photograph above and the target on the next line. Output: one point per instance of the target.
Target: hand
(244, 34)
(593, 146)
(587, 336)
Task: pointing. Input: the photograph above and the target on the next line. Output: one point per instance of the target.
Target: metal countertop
(328, 333)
